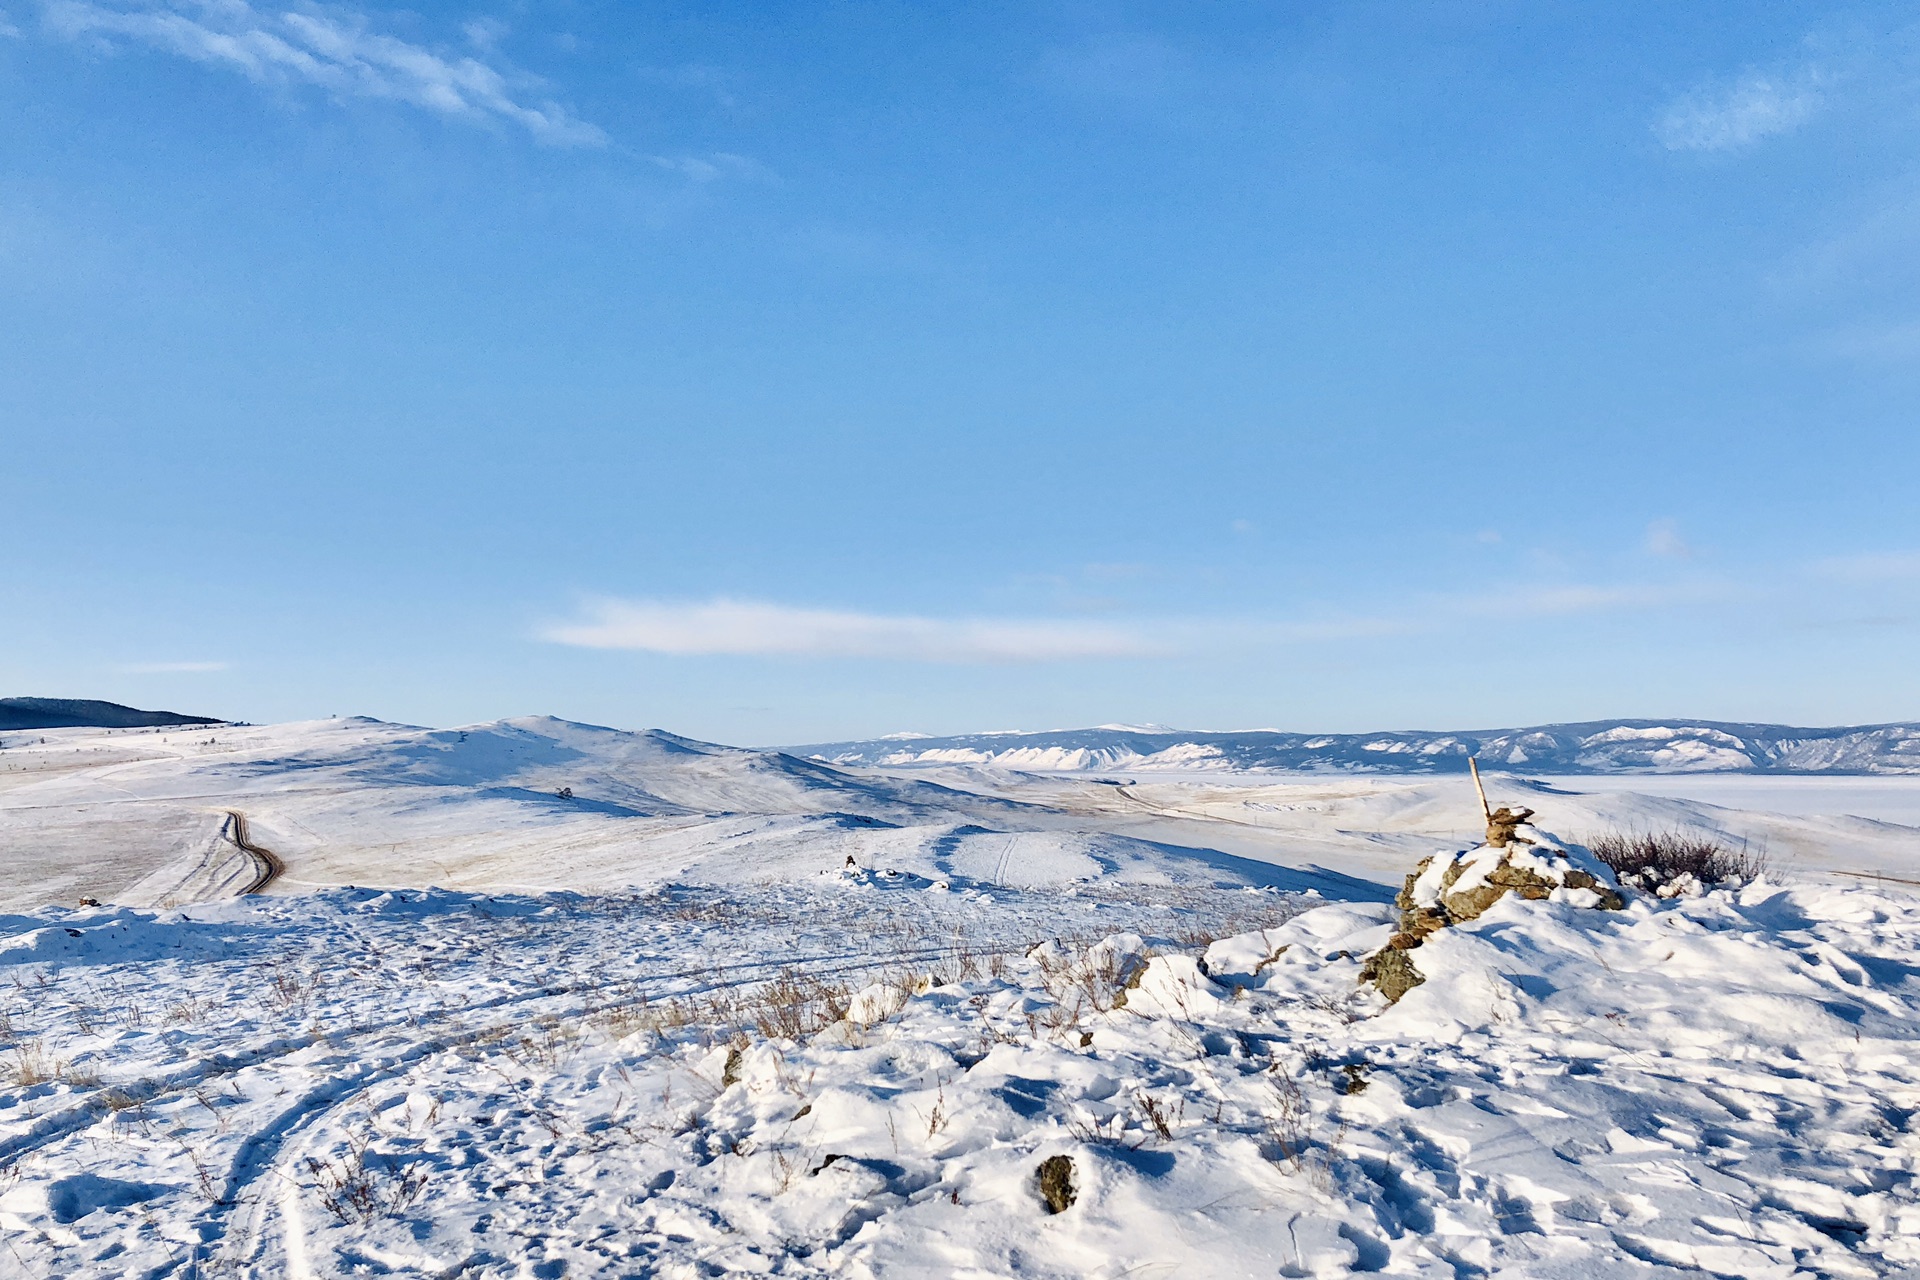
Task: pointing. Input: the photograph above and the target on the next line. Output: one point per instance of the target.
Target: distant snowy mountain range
(1598, 746)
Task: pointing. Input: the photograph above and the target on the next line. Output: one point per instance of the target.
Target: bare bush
(1161, 1117)
(360, 1185)
(1668, 863)
(1289, 1123)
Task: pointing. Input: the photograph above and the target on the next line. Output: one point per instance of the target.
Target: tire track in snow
(259, 1153)
(267, 864)
(104, 1101)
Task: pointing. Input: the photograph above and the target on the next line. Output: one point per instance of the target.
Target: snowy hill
(1602, 746)
(532, 803)
(141, 816)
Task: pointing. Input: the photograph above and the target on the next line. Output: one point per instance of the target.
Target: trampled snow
(656, 1026)
(581, 1085)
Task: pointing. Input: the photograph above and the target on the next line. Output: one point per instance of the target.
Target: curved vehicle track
(242, 1226)
(266, 863)
(95, 1106)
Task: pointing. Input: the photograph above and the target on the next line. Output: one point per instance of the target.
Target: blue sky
(777, 373)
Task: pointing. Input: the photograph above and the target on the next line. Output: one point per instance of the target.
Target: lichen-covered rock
(1503, 827)
(1055, 1176)
(1391, 969)
(1449, 888)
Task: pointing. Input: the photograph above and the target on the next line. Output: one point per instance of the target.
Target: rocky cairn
(1450, 888)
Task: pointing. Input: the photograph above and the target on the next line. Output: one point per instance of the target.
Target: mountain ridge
(86, 713)
(1590, 746)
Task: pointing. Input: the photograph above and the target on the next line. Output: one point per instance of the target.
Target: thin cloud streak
(332, 49)
(748, 627)
(763, 629)
(1729, 117)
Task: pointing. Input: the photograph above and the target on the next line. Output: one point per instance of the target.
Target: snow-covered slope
(650, 1025)
(1606, 746)
(534, 803)
(141, 816)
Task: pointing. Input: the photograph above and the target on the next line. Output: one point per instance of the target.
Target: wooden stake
(1485, 808)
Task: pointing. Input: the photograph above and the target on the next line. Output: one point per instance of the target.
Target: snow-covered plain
(137, 816)
(657, 1028)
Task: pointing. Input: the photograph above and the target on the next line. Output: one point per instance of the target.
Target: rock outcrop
(1449, 888)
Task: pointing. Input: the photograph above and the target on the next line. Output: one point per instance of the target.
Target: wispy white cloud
(170, 668)
(761, 628)
(1663, 539)
(1730, 115)
(332, 48)
(484, 33)
(755, 627)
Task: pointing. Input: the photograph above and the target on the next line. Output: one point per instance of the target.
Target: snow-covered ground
(656, 1028)
(137, 816)
(375, 1083)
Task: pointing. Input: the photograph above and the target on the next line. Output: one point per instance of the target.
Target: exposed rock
(1503, 827)
(1447, 889)
(1056, 1183)
(1391, 969)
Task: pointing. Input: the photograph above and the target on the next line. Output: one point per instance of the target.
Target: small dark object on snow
(1356, 1081)
(565, 793)
(1056, 1183)
(851, 864)
(89, 902)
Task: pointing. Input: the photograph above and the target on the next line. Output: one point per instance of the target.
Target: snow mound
(1462, 885)
(1518, 860)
